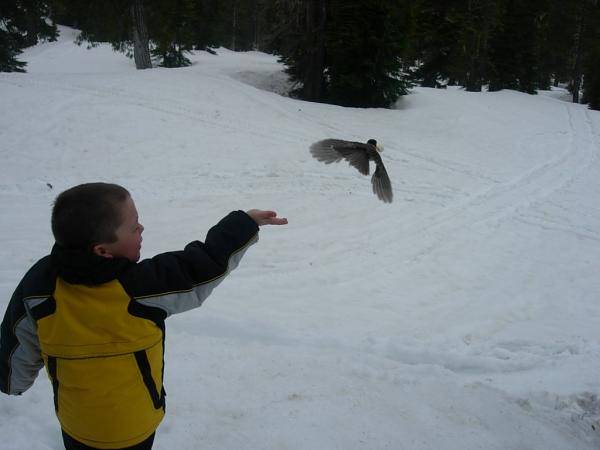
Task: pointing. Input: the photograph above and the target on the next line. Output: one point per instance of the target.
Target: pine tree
(314, 56)
(234, 24)
(9, 50)
(282, 25)
(122, 23)
(556, 31)
(365, 42)
(591, 60)
(170, 25)
(22, 24)
(476, 21)
(344, 52)
(434, 41)
(207, 24)
(591, 83)
(514, 48)
(299, 38)
(244, 18)
(32, 20)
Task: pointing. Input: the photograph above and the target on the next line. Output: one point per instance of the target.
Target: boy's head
(100, 218)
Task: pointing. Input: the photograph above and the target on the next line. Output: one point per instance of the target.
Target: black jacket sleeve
(182, 280)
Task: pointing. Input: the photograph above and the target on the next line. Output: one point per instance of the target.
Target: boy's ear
(100, 250)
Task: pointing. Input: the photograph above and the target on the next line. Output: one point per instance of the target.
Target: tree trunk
(256, 8)
(482, 16)
(315, 58)
(141, 51)
(577, 66)
(234, 26)
(32, 33)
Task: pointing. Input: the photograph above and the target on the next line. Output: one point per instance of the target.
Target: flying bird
(358, 155)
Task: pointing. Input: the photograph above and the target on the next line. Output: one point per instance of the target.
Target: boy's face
(129, 236)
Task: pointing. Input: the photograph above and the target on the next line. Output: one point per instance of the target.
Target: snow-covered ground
(465, 315)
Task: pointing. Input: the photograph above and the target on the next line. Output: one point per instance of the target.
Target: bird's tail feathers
(382, 186)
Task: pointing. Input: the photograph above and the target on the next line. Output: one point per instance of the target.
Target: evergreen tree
(475, 21)
(299, 38)
(282, 25)
(514, 49)
(171, 28)
(579, 38)
(313, 86)
(591, 84)
(234, 24)
(557, 29)
(10, 48)
(365, 42)
(434, 41)
(31, 19)
(170, 25)
(122, 23)
(591, 62)
(244, 19)
(344, 52)
(22, 24)
(209, 24)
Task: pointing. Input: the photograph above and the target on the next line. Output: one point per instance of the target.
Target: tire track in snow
(503, 199)
(451, 166)
(563, 222)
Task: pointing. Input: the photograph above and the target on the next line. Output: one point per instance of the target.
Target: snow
(462, 316)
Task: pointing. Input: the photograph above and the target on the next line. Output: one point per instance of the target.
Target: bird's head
(373, 142)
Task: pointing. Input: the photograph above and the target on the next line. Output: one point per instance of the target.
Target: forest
(361, 53)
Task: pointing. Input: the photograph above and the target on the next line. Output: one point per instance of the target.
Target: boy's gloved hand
(266, 217)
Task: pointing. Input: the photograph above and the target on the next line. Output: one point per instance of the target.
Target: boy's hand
(266, 217)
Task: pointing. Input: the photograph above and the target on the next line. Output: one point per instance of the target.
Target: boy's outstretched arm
(266, 217)
(175, 282)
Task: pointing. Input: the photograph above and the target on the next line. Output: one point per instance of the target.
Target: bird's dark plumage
(358, 155)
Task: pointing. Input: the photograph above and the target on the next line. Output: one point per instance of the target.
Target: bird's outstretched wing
(333, 150)
(380, 180)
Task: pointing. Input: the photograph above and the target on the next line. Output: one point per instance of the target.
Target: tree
(31, 19)
(434, 41)
(514, 48)
(22, 24)
(314, 56)
(591, 60)
(299, 37)
(591, 83)
(556, 33)
(139, 32)
(122, 23)
(170, 25)
(476, 21)
(345, 52)
(365, 42)
(9, 50)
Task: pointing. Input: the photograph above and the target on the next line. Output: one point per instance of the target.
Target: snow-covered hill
(464, 315)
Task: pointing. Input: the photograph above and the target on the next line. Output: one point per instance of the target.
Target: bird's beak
(379, 148)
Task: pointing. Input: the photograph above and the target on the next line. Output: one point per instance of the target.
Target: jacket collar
(77, 266)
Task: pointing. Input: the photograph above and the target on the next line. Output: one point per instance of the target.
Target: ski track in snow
(513, 197)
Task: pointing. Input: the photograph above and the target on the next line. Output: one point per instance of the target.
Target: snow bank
(462, 316)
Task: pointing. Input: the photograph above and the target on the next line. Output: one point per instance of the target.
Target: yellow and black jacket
(97, 324)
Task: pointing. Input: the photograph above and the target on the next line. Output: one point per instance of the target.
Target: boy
(94, 316)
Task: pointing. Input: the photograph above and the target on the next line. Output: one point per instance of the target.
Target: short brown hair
(88, 214)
